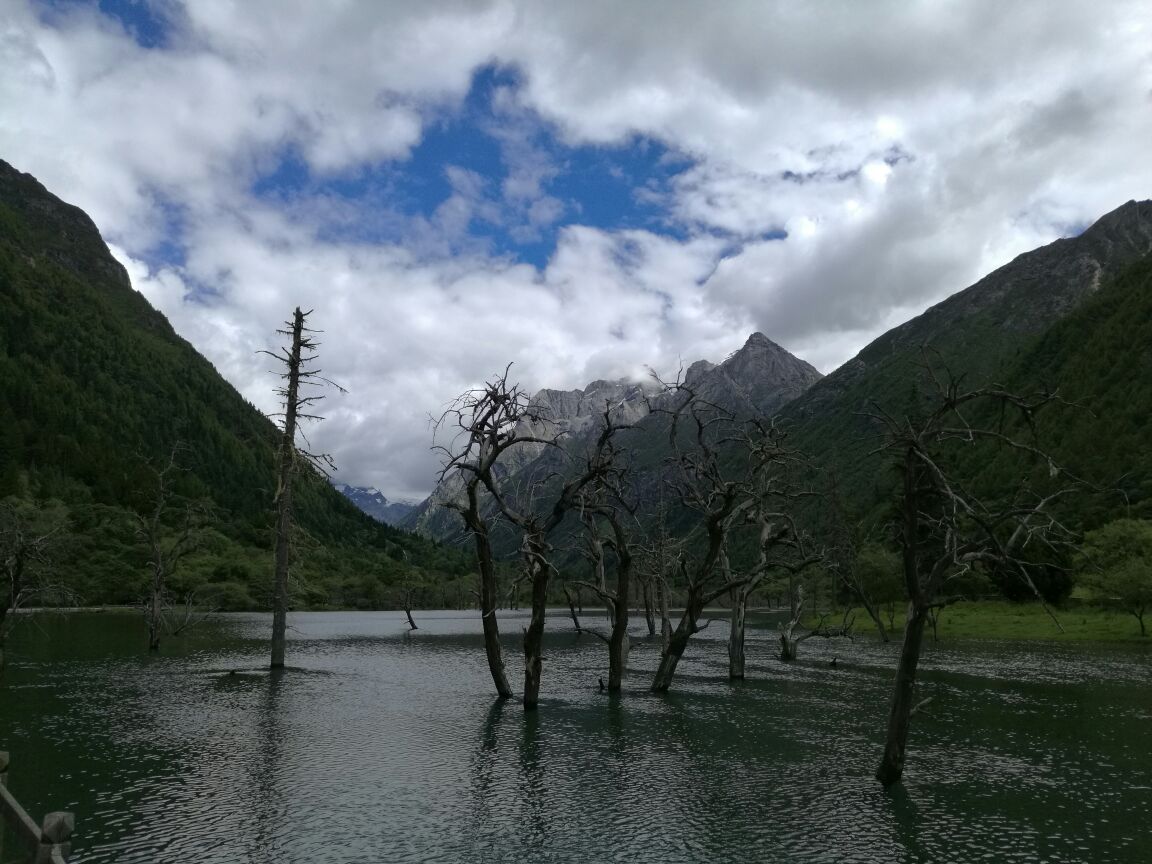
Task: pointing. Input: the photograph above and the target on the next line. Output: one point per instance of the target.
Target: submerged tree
(170, 530)
(488, 423)
(718, 496)
(291, 459)
(946, 529)
(781, 548)
(605, 502)
(485, 423)
(28, 534)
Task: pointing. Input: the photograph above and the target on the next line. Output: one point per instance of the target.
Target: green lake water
(377, 745)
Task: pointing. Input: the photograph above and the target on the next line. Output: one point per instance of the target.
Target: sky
(586, 190)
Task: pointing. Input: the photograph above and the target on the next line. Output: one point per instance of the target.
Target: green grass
(999, 619)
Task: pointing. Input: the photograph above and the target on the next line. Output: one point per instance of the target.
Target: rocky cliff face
(756, 380)
(759, 379)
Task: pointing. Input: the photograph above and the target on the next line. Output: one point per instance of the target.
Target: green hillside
(96, 389)
(1016, 326)
(1099, 359)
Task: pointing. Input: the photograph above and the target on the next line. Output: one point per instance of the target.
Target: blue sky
(623, 186)
(587, 190)
(619, 186)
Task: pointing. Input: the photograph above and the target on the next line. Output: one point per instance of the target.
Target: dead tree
(606, 502)
(536, 525)
(572, 610)
(656, 561)
(791, 634)
(703, 485)
(27, 537)
(780, 547)
(488, 423)
(167, 544)
(484, 425)
(859, 565)
(291, 459)
(946, 529)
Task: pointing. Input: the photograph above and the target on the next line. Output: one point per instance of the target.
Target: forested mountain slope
(1014, 326)
(1099, 360)
(95, 391)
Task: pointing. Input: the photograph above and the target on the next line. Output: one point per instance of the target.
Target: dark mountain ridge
(983, 332)
(96, 388)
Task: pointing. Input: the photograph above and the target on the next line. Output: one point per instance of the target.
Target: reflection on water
(384, 745)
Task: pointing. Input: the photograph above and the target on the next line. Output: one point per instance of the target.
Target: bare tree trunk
(788, 645)
(601, 577)
(155, 611)
(649, 609)
(665, 620)
(534, 633)
(900, 716)
(677, 642)
(934, 620)
(408, 610)
(618, 646)
(572, 610)
(488, 600)
(284, 497)
(619, 643)
(736, 635)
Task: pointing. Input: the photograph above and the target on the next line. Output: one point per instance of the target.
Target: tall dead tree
(487, 424)
(780, 547)
(947, 530)
(605, 501)
(291, 459)
(483, 425)
(701, 482)
(536, 525)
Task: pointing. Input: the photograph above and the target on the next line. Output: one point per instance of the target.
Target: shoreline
(974, 620)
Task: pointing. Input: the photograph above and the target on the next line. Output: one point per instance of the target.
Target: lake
(379, 745)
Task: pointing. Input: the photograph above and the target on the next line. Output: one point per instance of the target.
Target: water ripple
(383, 745)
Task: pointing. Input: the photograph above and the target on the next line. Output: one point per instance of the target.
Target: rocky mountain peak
(759, 378)
(759, 341)
(373, 502)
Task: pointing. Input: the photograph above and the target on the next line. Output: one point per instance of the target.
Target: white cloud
(907, 148)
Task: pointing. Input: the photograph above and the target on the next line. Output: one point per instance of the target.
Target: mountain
(373, 502)
(1076, 313)
(756, 380)
(96, 391)
(1100, 355)
(987, 333)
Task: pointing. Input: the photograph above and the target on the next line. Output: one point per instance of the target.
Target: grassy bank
(993, 619)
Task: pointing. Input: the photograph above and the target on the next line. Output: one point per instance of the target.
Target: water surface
(379, 745)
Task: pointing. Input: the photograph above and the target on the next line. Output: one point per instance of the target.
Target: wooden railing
(48, 843)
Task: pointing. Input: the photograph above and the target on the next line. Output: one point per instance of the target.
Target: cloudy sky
(584, 188)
